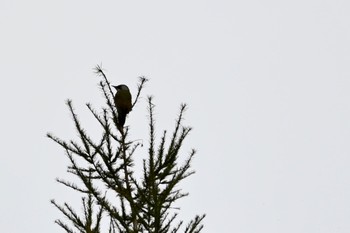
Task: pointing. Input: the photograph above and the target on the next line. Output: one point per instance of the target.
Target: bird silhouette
(122, 101)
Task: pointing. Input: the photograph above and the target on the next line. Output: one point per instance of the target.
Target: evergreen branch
(108, 134)
(78, 223)
(140, 203)
(108, 96)
(104, 203)
(110, 179)
(84, 171)
(70, 214)
(116, 155)
(85, 139)
(84, 226)
(62, 143)
(110, 176)
(81, 153)
(64, 226)
(194, 225)
(98, 220)
(104, 122)
(112, 226)
(99, 71)
(167, 225)
(78, 127)
(96, 115)
(176, 229)
(160, 153)
(168, 194)
(151, 168)
(98, 148)
(171, 156)
(128, 186)
(140, 85)
(71, 185)
(177, 126)
(79, 171)
(101, 200)
(133, 149)
(89, 215)
(87, 207)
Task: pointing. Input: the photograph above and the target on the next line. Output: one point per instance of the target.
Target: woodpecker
(122, 101)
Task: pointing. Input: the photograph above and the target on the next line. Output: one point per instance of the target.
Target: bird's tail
(121, 121)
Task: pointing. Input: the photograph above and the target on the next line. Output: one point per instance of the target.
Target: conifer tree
(111, 194)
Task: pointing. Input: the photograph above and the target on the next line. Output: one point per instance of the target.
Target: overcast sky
(268, 89)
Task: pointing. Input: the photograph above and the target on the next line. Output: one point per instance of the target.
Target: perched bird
(122, 101)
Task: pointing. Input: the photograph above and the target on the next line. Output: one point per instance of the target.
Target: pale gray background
(267, 83)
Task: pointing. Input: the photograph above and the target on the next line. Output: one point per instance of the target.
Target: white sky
(268, 88)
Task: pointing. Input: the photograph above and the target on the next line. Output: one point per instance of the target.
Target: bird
(122, 101)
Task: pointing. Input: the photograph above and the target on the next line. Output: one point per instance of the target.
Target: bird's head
(121, 87)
